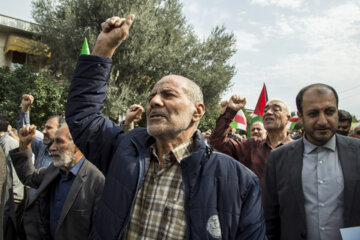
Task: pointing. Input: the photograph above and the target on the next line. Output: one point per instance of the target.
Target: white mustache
(56, 154)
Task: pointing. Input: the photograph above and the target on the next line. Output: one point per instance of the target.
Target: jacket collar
(189, 164)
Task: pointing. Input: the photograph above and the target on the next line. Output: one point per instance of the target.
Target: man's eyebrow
(166, 90)
(277, 105)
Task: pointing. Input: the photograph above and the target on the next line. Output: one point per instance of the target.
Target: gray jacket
(79, 207)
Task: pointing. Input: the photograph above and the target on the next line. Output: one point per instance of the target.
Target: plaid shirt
(159, 206)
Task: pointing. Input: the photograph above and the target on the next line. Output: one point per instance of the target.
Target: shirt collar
(75, 169)
(330, 145)
(178, 153)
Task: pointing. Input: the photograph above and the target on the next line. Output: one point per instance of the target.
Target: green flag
(85, 47)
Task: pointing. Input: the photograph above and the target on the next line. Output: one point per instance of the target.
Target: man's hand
(236, 102)
(26, 135)
(13, 132)
(133, 114)
(223, 106)
(26, 102)
(206, 135)
(114, 31)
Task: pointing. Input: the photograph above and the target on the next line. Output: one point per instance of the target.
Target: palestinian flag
(292, 122)
(239, 121)
(260, 105)
(259, 109)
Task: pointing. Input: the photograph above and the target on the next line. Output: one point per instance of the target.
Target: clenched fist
(236, 102)
(26, 135)
(114, 31)
(26, 102)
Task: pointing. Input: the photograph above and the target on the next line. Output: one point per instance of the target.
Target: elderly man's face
(63, 149)
(275, 115)
(169, 110)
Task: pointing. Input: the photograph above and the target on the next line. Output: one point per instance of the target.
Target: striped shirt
(159, 206)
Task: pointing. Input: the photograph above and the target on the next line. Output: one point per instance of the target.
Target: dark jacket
(77, 214)
(284, 201)
(215, 184)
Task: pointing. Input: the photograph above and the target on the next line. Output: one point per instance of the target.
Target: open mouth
(269, 119)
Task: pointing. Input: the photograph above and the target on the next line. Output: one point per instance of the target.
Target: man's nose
(322, 120)
(52, 147)
(268, 110)
(156, 101)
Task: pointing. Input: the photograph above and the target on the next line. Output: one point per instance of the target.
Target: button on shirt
(323, 187)
(59, 192)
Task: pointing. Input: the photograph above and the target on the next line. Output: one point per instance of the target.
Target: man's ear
(199, 112)
(300, 118)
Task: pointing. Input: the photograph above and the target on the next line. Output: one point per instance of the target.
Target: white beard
(64, 160)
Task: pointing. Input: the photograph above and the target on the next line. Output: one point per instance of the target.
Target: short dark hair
(299, 97)
(4, 122)
(344, 116)
(61, 120)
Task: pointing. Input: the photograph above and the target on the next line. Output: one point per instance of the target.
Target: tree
(49, 94)
(160, 43)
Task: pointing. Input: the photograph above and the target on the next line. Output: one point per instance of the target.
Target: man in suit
(67, 191)
(312, 184)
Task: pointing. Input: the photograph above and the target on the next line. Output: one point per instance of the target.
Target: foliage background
(49, 94)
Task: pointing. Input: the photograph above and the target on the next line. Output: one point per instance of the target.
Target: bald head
(175, 108)
(191, 89)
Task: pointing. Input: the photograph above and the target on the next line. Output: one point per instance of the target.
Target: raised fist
(133, 114)
(236, 102)
(114, 31)
(26, 135)
(26, 102)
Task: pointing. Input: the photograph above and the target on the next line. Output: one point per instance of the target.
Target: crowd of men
(93, 179)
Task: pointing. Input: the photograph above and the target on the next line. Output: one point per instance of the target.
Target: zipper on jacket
(137, 190)
(186, 204)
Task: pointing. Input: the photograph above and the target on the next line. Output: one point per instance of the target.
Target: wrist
(127, 121)
(101, 51)
(25, 109)
(24, 146)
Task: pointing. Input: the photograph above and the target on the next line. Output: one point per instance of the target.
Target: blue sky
(286, 44)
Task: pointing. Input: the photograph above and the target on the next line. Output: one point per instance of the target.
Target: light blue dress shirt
(323, 187)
